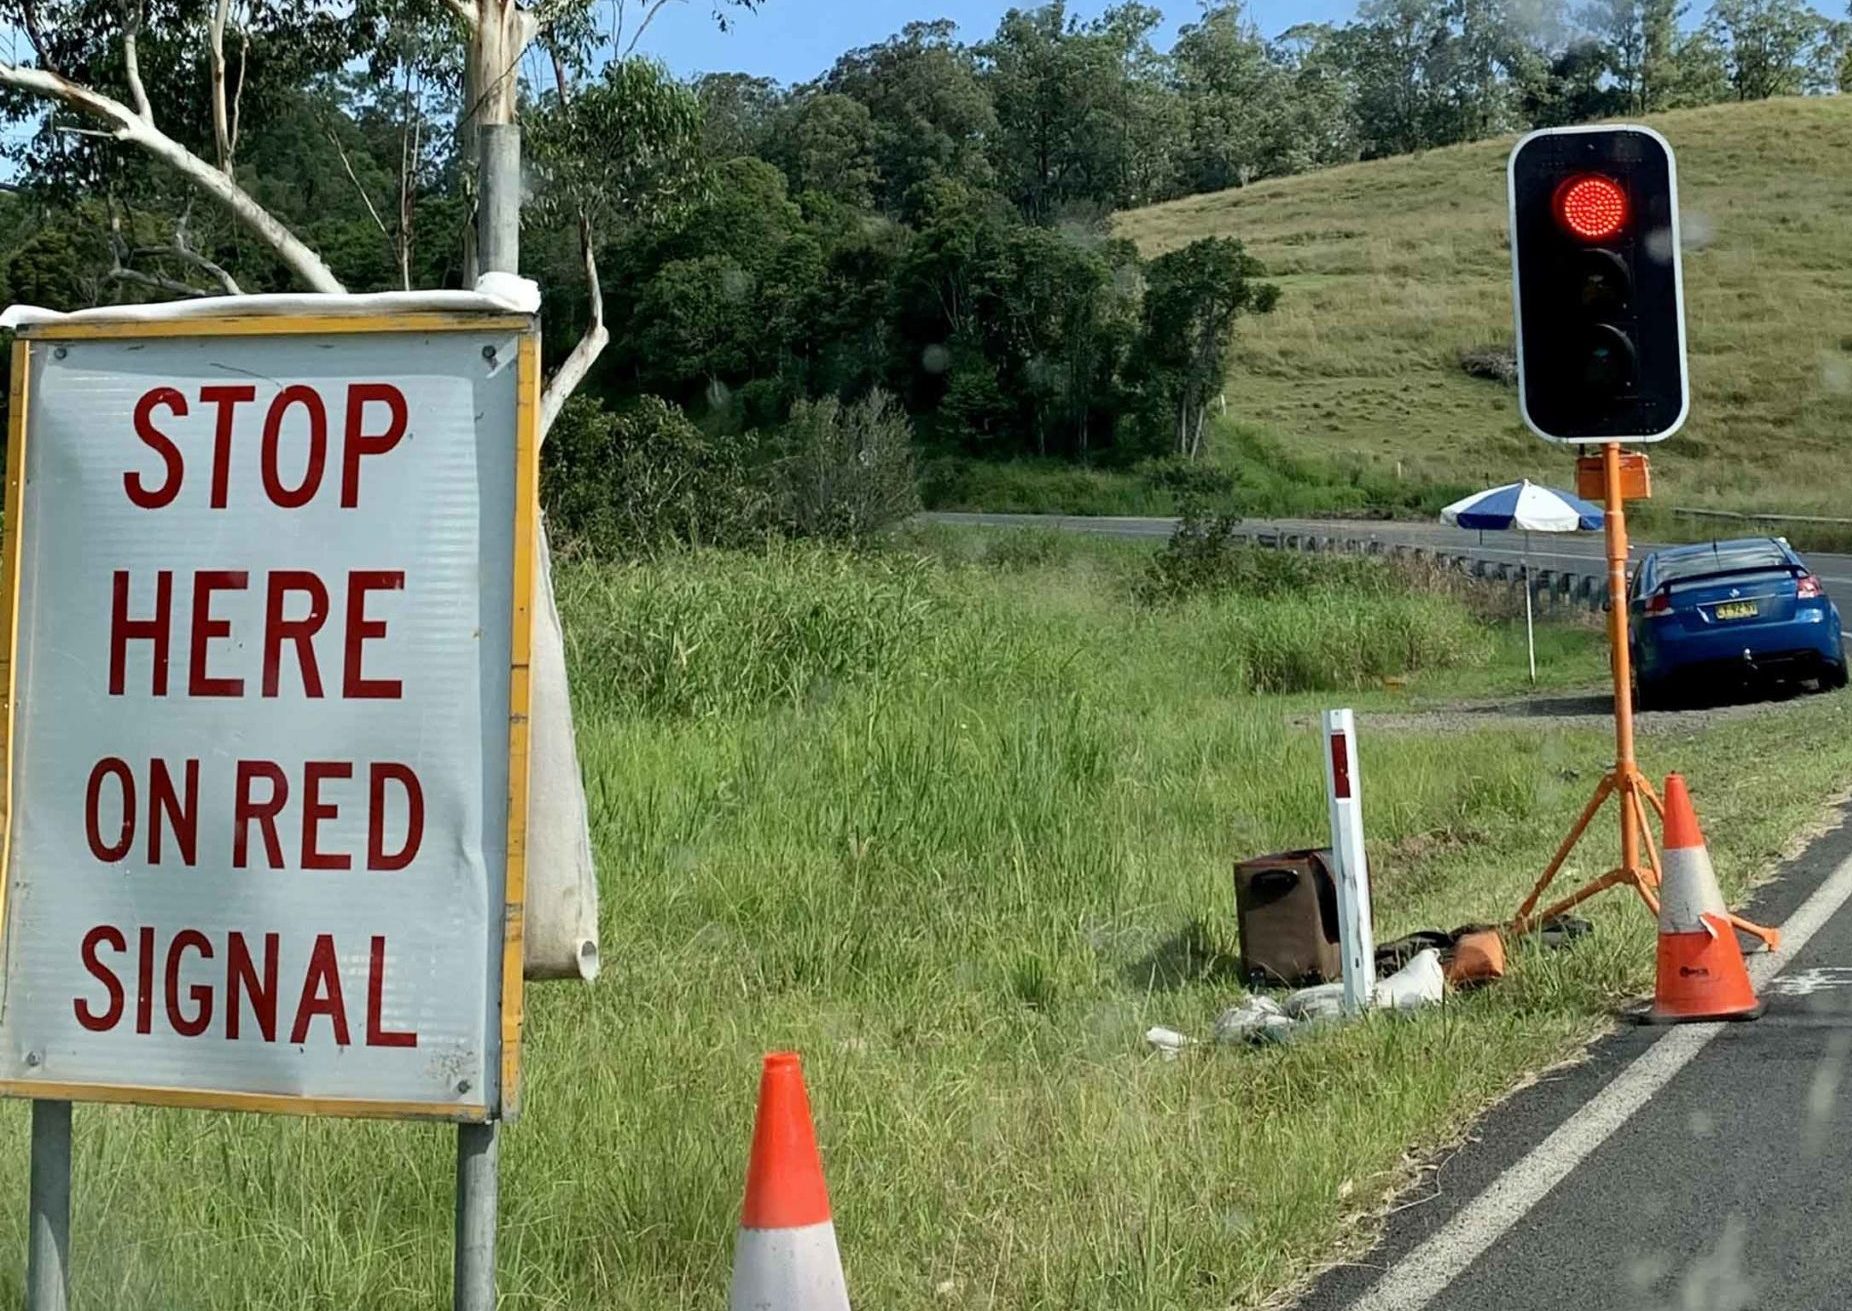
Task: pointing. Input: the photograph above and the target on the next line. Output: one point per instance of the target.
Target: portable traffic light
(1596, 284)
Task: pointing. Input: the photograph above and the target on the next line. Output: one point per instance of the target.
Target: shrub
(1201, 557)
(630, 484)
(1194, 485)
(847, 471)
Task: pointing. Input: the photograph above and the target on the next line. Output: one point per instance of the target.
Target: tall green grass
(959, 833)
(711, 634)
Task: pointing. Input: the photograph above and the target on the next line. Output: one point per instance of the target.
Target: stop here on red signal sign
(261, 747)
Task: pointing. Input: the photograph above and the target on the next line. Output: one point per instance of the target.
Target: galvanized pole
(478, 1183)
(48, 1240)
(498, 250)
(498, 213)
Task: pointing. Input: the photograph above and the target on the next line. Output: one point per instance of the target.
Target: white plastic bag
(1419, 983)
(1258, 1019)
(561, 926)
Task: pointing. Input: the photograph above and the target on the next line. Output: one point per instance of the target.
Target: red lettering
(378, 775)
(205, 628)
(105, 1020)
(314, 811)
(245, 809)
(354, 683)
(228, 399)
(196, 1024)
(358, 443)
(321, 993)
(378, 1035)
(278, 630)
(123, 630)
(161, 444)
(110, 852)
(144, 983)
(304, 492)
(183, 818)
(241, 976)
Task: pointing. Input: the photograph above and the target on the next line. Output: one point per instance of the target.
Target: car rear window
(1732, 557)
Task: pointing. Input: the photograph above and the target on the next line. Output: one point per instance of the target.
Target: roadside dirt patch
(1591, 709)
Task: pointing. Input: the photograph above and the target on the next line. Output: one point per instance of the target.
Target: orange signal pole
(1633, 790)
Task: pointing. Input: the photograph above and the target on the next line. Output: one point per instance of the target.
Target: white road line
(1427, 1271)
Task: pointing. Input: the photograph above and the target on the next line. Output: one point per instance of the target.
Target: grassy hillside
(1390, 268)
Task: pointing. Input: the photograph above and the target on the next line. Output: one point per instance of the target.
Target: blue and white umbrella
(1527, 506)
(1530, 508)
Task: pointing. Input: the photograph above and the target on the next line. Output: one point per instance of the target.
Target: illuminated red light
(1591, 207)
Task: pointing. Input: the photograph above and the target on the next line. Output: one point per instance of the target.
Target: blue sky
(794, 40)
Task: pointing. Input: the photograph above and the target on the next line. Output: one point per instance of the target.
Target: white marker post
(1344, 787)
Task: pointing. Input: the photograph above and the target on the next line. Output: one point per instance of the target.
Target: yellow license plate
(1737, 610)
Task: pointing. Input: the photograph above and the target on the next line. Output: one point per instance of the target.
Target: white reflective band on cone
(1689, 892)
(788, 1270)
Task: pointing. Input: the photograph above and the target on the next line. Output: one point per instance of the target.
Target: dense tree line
(924, 221)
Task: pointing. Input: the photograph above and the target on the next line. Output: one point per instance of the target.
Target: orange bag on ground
(1478, 957)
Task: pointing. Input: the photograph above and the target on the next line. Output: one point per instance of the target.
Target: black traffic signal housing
(1596, 285)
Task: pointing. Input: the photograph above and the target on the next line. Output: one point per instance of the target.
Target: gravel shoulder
(1585, 709)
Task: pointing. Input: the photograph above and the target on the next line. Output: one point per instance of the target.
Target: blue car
(1723, 615)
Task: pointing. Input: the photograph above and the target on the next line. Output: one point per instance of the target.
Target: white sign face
(261, 731)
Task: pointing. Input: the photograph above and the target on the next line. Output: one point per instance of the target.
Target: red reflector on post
(1340, 767)
(1591, 207)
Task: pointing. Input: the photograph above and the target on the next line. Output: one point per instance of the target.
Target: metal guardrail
(1743, 516)
(1551, 586)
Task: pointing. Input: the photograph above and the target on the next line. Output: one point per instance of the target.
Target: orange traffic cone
(1701, 970)
(786, 1257)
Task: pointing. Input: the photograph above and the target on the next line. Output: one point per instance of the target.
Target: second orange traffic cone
(1701, 971)
(786, 1257)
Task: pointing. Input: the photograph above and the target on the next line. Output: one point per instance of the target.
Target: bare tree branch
(131, 60)
(120, 254)
(649, 16)
(348, 167)
(29, 13)
(237, 107)
(221, 117)
(596, 336)
(132, 129)
(181, 248)
(411, 147)
(590, 345)
(186, 254)
(173, 286)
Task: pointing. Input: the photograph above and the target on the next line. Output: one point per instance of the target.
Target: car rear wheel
(1648, 694)
(1834, 678)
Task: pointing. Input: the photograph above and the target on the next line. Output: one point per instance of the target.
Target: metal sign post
(48, 1241)
(266, 626)
(1344, 788)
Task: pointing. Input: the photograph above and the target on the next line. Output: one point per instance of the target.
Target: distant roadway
(1570, 552)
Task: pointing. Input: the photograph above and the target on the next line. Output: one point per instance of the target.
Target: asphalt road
(1699, 1168)
(1581, 552)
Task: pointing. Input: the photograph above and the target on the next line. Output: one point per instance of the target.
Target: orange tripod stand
(1631, 789)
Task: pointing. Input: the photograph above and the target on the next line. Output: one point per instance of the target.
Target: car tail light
(1807, 588)
(1658, 605)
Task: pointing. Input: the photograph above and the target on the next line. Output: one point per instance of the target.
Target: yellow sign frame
(526, 547)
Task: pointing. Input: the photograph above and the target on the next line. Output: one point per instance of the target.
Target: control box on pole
(1344, 788)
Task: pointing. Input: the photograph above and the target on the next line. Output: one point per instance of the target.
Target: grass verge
(959, 832)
